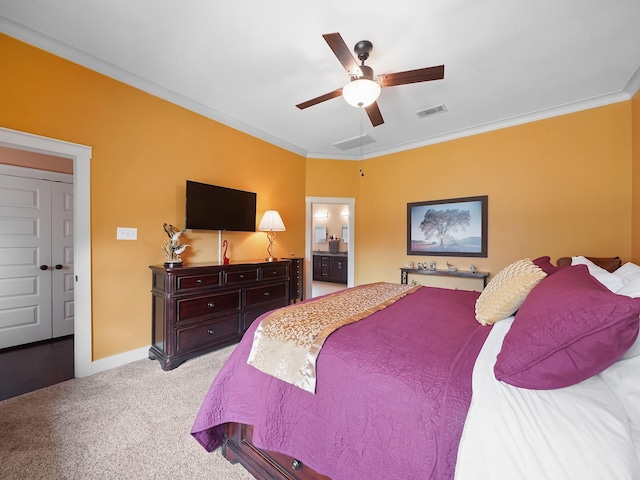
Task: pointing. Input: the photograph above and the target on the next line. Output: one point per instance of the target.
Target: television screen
(211, 207)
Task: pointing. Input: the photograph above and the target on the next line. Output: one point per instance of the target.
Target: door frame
(308, 237)
(81, 156)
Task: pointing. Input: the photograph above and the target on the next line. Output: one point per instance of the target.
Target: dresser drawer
(207, 334)
(274, 272)
(199, 281)
(296, 288)
(196, 307)
(269, 293)
(241, 276)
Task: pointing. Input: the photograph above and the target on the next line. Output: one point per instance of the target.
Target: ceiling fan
(363, 89)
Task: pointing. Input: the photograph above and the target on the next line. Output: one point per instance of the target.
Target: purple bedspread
(391, 400)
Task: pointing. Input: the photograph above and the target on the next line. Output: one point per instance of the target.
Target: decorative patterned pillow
(507, 290)
(569, 328)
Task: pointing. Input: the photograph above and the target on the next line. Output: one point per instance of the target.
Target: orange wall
(144, 149)
(556, 187)
(333, 178)
(635, 125)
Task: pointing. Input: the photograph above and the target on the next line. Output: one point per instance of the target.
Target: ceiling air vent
(431, 111)
(355, 142)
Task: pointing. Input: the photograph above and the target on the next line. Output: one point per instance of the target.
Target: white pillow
(608, 279)
(629, 271)
(623, 378)
(634, 351)
(631, 289)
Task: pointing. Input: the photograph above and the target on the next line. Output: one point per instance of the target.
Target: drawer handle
(241, 276)
(296, 464)
(210, 331)
(211, 304)
(266, 294)
(199, 280)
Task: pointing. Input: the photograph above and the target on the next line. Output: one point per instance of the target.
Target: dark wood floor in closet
(37, 365)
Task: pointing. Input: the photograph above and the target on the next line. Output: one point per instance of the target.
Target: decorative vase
(172, 264)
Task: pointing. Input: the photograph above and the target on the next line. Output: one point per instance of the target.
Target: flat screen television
(211, 207)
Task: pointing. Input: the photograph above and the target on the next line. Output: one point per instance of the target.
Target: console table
(404, 274)
(200, 308)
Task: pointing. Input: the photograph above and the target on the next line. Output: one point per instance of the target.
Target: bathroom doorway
(329, 245)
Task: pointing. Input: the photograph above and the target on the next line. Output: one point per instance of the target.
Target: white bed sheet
(581, 432)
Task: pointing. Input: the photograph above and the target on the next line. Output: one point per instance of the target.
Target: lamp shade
(271, 221)
(361, 92)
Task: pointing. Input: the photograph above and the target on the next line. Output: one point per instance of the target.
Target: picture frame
(454, 227)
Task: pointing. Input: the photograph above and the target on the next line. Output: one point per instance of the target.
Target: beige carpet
(130, 422)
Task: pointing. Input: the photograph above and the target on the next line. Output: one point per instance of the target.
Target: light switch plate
(123, 233)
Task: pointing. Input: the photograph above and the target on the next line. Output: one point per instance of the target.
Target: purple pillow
(545, 264)
(569, 328)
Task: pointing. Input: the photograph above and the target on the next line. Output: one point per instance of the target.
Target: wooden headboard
(608, 263)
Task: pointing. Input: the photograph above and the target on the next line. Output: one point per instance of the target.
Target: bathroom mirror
(320, 234)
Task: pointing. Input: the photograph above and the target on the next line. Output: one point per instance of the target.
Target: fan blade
(320, 99)
(340, 50)
(411, 76)
(374, 114)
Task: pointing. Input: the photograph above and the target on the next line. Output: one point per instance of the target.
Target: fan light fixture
(271, 222)
(361, 92)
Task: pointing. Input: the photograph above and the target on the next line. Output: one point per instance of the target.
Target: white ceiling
(248, 63)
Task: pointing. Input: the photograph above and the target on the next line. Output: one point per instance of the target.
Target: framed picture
(456, 227)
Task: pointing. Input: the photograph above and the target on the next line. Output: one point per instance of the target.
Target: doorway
(36, 255)
(81, 156)
(344, 231)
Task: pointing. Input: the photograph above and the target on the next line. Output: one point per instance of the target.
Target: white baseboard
(119, 360)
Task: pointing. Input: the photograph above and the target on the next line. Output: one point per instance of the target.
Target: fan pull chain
(361, 142)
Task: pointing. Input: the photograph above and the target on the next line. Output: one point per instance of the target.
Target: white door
(62, 258)
(27, 268)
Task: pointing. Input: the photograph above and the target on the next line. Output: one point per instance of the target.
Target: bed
(422, 389)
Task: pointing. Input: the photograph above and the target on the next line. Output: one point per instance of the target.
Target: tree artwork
(441, 223)
(452, 227)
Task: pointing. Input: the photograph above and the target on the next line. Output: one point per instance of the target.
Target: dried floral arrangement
(172, 248)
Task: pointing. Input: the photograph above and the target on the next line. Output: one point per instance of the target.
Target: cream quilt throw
(288, 340)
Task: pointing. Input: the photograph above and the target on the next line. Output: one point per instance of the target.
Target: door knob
(44, 267)
(58, 267)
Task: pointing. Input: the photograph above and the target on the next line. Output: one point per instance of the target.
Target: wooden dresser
(200, 308)
(296, 273)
